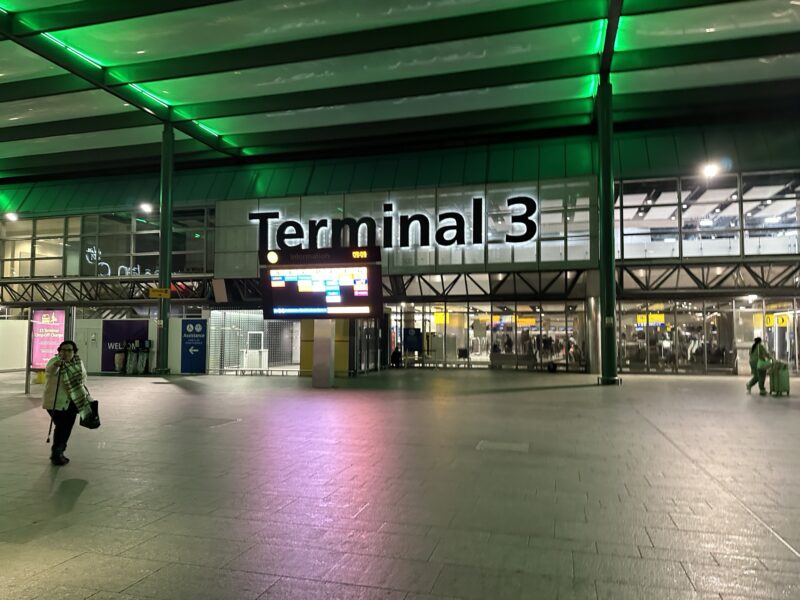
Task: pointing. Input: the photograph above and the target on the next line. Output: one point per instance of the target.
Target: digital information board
(322, 284)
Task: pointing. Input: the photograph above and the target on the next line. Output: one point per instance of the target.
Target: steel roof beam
(689, 54)
(76, 126)
(86, 160)
(43, 86)
(92, 12)
(639, 7)
(81, 66)
(561, 12)
(387, 90)
(454, 121)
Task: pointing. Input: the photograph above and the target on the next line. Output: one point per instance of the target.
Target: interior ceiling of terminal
(87, 84)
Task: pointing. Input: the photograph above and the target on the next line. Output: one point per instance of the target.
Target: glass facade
(705, 336)
(105, 245)
(736, 215)
(512, 335)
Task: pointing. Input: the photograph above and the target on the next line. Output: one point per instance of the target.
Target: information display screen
(322, 284)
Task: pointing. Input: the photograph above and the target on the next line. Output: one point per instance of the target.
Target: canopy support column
(165, 246)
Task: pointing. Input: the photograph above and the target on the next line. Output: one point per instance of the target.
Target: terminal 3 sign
(399, 230)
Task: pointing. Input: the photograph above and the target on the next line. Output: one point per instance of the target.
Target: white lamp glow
(711, 169)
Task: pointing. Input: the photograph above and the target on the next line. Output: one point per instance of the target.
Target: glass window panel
(579, 194)
(551, 224)
(662, 245)
(16, 229)
(115, 223)
(72, 256)
(146, 265)
(188, 241)
(649, 192)
(74, 226)
(147, 223)
(89, 256)
(117, 244)
(187, 263)
(553, 251)
(358, 206)
(15, 249)
(16, 268)
(327, 208)
(708, 203)
(578, 222)
(632, 337)
(417, 202)
(459, 201)
(210, 248)
(49, 247)
(49, 227)
(721, 345)
(49, 267)
(578, 248)
(770, 214)
(766, 186)
(552, 195)
(714, 243)
(189, 219)
(147, 242)
(89, 223)
(770, 241)
(499, 225)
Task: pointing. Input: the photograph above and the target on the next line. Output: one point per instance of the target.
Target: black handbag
(92, 421)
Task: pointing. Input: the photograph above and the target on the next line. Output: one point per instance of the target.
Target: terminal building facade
(490, 236)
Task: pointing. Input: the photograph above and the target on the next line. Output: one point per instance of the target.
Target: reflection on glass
(632, 336)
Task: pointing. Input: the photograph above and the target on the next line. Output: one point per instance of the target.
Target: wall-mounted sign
(193, 345)
(47, 335)
(158, 293)
(117, 336)
(771, 319)
(396, 229)
(651, 319)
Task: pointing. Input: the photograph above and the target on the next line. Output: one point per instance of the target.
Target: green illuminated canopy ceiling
(86, 84)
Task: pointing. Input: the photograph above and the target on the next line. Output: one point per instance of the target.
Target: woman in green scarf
(65, 396)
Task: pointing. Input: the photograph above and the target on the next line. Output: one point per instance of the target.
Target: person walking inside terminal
(760, 361)
(65, 396)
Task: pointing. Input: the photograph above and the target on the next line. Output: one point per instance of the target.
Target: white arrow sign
(193, 350)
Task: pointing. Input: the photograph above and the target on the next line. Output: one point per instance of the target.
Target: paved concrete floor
(406, 485)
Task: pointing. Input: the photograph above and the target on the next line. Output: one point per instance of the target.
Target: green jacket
(760, 353)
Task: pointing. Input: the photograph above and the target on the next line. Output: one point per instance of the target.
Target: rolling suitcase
(779, 379)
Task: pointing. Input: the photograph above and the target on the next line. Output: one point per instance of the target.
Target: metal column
(165, 246)
(608, 289)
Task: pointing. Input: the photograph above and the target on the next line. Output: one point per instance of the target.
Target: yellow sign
(440, 318)
(650, 319)
(526, 321)
(158, 293)
(771, 319)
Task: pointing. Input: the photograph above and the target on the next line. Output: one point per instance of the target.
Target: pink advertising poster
(48, 333)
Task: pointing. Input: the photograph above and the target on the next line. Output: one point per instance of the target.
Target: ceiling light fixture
(710, 170)
(146, 207)
(12, 216)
